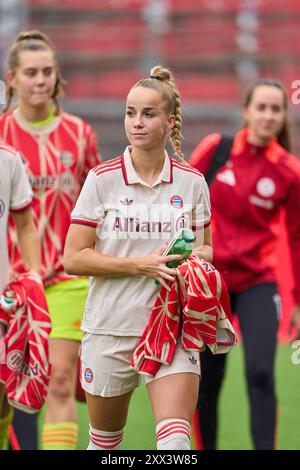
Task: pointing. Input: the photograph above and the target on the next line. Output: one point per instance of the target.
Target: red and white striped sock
(103, 440)
(173, 434)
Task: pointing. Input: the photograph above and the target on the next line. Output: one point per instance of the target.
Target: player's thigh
(174, 396)
(174, 389)
(108, 413)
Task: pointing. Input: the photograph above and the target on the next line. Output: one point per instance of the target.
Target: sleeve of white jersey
(21, 192)
(202, 212)
(88, 209)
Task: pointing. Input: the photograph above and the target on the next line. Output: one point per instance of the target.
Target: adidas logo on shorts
(193, 361)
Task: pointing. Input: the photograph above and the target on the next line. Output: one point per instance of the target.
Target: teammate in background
(58, 149)
(120, 211)
(15, 196)
(259, 179)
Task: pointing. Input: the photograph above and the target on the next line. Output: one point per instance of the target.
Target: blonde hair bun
(161, 73)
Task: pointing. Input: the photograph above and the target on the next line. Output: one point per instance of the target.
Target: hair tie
(155, 78)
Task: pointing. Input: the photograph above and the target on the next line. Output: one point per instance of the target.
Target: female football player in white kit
(127, 208)
(15, 198)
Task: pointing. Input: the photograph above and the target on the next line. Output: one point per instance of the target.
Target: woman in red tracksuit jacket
(259, 179)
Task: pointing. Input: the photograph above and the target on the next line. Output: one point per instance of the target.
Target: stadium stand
(214, 47)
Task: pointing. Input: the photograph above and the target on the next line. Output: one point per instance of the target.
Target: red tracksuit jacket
(247, 196)
(24, 364)
(197, 308)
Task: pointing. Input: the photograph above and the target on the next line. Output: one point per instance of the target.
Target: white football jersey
(133, 219)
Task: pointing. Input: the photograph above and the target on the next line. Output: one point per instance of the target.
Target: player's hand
(295, 322)
(8, 301)
(154, 266)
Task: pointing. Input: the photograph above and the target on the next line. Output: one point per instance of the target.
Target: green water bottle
(181, 244)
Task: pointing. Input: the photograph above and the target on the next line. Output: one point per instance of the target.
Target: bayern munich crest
(176, 201)
(266, 187)
(88, 375)
(66, 158)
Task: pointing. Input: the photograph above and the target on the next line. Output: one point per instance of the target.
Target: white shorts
(105, 365)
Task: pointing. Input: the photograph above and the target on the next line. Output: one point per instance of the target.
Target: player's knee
(61, 383)
(260, 377)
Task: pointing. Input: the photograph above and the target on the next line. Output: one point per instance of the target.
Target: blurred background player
(260, 178)
(58, 150)
(15, 196)
(123, 291)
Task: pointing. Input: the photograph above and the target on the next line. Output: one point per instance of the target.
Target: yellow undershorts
(66, 302)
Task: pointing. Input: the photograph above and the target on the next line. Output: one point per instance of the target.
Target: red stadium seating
(94, 5)
(176, 6)
(269, 6)
(190, 42)
(103, 36)
(117, 83)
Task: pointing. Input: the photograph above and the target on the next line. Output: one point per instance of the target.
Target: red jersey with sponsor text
(247, 195)
(57, 158)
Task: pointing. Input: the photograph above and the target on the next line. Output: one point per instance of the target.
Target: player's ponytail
(33, 41)
(161, 80)
(284, 136)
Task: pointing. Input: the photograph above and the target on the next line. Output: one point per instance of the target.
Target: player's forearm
(205, 245)
(205, 252)
(29, 245)
(87, 262)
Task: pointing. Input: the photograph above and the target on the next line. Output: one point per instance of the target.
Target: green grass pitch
(234, 413)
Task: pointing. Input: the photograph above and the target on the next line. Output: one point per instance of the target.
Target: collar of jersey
(241, 145)
(131, 176)
(45, 122)
(32, 128)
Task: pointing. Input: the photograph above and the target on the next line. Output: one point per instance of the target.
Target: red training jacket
(24, 364)
(247, 196)
(199, 298)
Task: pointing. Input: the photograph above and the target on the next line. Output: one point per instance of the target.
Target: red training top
(247, 195)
